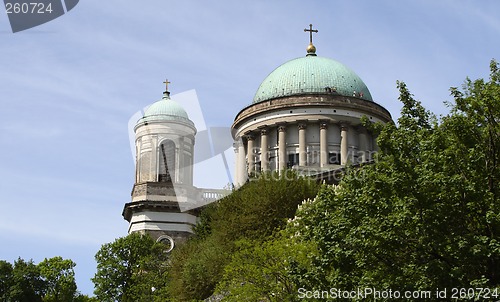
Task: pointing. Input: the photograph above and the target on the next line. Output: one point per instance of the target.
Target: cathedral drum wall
(334, 134)
(292, 136)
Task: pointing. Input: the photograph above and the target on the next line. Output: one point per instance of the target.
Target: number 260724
(28, 8)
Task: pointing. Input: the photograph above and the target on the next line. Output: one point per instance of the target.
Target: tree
(59, 278)
(267, 271)
(27, 284)
(51, 280)
(5, 279)
(126, 267)
(475, 123)
(197, 266)
(426, 215)
(150, 284)
(477, 110)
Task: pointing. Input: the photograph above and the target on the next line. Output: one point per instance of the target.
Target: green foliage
(27, 284)
(51, 280)
(59, 278)
(150, 283)
(267, 271)
(5, 279)
(84, 298)
(204, 227)
(476, 122)
(427, 214)
(197, 266)
(128, 269)
(254, 212)
(262, 206)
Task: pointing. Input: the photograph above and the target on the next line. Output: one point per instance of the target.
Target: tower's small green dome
(311, 75)
(165, 110)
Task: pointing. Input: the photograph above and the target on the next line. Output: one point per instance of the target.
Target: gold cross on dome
(166, 84)
(311, 31)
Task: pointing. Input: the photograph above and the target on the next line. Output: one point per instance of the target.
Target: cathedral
(306, 116)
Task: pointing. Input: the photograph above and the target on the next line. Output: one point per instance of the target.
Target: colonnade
(246, 155)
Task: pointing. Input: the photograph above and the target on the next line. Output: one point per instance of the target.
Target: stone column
(137, 156)
(281, 148)
(191, 161)
(181, 155)
(236, 147)
(343, 144)
(302, 145)
(155, 164)
(264, 157)
(323, 144)
(250, 154)
(362, 143)
(242, 177)
(177, 164)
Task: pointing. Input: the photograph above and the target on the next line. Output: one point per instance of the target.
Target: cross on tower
(166, 84)
(311, 31)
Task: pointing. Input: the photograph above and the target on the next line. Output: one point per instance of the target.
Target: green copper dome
(165, 110)
(311, 75)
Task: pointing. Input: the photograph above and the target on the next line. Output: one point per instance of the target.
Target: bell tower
(164, 141)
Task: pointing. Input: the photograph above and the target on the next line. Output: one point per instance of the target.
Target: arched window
(166, 172)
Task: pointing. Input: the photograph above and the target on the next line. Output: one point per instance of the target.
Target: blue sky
(69, 87)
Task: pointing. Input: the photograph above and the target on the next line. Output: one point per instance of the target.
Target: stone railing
(211, 195)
